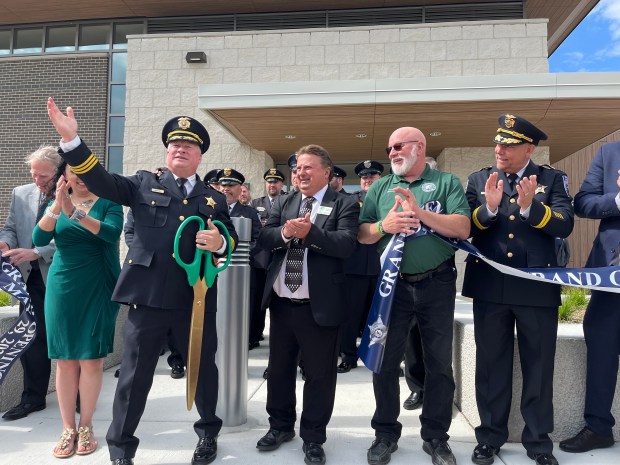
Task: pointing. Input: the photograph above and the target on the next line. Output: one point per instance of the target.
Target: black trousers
(601, 327)
(294, 330)
(258, 276)
(414, 359)
(144, 330)
(35, 361)
(431, 303)
(360, 290)
(537, 328)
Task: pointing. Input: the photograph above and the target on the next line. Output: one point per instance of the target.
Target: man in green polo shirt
(426, 289)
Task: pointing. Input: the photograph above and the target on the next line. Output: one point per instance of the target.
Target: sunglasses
(398, 147)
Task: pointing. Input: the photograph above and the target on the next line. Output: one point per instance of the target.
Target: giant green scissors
(201, 286)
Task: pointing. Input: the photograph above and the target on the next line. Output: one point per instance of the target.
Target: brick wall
(25, 83)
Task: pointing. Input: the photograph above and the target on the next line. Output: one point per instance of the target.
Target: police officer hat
(230, 177)
(273, 175)
(515, 130)
(292, 162)
(368, 168)
(185, 128)
(211, 176)
(339, 172)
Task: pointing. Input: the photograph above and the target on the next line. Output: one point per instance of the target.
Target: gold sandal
(66, 442)
(86, 443)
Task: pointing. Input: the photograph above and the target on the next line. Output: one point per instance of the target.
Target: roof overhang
(563, 16)
(354, 119)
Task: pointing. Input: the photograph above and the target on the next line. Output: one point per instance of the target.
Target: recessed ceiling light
(290, 136)
(361, 135)
(435, 134)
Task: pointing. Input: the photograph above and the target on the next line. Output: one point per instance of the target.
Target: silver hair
(45, 153)
(430, 161)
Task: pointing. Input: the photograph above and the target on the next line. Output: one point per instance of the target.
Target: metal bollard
(233, 322)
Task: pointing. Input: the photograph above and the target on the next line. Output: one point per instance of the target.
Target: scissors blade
(195, 340)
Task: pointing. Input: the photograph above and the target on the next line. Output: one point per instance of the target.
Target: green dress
(79, 315)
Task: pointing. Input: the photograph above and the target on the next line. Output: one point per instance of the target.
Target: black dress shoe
(122, 462)
(266, 373)
(381, 450)
(345, 367)
(484, 454)
(542, 459)
(273, 439)
(117, 373)
(22, 410)
(414, 401)
(586, 440)
(314, 453)
(178, 371)
(440, 452)
(253, 345)
(206, 451)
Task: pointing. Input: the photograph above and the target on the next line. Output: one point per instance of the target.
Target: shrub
(573, 305)
(5, 299)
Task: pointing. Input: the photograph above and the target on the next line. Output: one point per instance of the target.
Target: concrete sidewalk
(167, 436)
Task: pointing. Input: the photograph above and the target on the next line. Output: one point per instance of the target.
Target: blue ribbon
(375, 334)
(17, 339)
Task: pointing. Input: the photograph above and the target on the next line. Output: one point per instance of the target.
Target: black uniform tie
(512, 178)
(293, 273)
(182, 188)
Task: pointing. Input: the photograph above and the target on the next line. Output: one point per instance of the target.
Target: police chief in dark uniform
(274, 180)
(151, 282)
(337, 180)
(518, 209)
(362, 269)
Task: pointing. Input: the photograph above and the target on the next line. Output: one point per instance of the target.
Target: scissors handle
(193, 269)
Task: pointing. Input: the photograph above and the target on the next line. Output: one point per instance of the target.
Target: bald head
(407, 150)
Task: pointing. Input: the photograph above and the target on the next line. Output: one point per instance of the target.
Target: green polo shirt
(433, 188)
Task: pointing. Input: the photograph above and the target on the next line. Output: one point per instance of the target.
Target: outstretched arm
(66, 125)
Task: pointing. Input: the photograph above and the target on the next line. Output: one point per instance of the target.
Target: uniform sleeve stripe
(546, 218)
(86, 166)
(474, 217)
(232, 244)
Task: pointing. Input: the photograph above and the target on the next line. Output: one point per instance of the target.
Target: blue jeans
(431, 303)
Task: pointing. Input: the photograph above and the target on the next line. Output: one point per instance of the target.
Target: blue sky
(594, 45)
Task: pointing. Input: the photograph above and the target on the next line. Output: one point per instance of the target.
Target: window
(117, 129)
(5, 42)
(119, 67)
(115, 160)
(28, 41)
(60, 39)
(121, 31)
(94, 37)
(117, 98)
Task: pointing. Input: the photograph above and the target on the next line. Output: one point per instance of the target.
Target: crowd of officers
(320, 241)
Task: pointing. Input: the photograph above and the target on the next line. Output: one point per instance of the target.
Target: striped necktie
(293, 273)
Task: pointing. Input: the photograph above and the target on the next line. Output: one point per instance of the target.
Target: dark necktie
(182, 187)
(512, 178)
(293, 273)
(43, 201)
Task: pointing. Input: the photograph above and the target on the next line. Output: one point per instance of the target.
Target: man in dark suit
(599, 198)
(310, 232)
(28, 203)
(151, 281)
(362, 269)
(518, 209)
(274, 180)
(425, 291)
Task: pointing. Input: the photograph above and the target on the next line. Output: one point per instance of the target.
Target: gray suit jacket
(17, 231)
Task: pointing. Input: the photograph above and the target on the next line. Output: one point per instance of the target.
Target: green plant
(5, 299)
(574, 304)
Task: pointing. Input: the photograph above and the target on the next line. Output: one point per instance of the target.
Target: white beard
(407, 164)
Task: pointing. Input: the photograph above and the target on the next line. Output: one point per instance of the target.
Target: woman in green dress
(79, 314)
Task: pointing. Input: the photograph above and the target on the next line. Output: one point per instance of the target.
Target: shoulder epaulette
(485, 168)
(547, 166)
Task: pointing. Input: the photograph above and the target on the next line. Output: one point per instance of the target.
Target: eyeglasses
(399, 146)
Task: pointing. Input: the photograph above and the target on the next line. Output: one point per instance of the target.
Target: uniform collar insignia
(540, 190)
(210, 202)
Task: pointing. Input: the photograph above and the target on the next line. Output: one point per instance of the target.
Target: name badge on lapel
(323, 210)
(157, 191)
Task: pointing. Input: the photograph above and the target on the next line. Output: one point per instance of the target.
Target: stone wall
(160, 84)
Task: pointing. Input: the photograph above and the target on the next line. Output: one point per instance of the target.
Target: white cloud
(609, 10)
